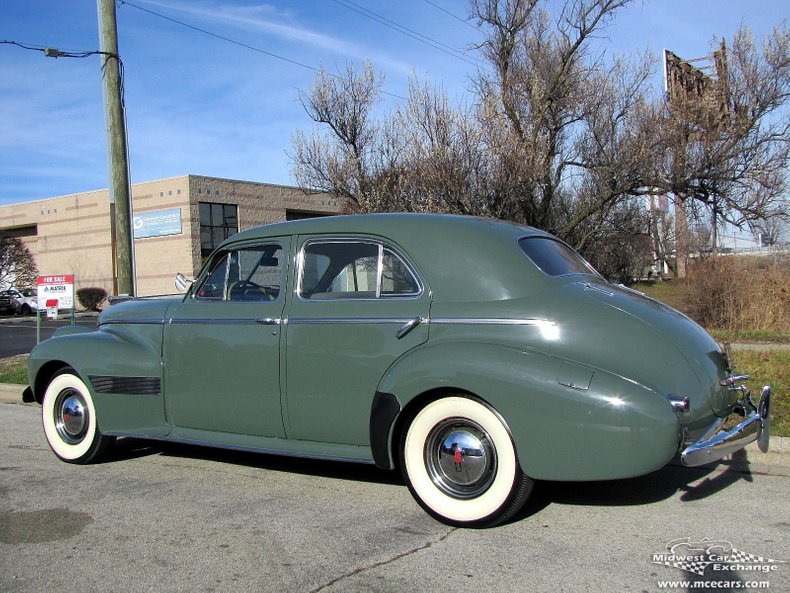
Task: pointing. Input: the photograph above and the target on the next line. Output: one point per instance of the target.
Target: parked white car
(22, 302)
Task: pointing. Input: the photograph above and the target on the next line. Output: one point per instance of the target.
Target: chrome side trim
(346, 320)
(228, 321)
(717, 442)
(416, 321)
(133, 322)
(488, 321)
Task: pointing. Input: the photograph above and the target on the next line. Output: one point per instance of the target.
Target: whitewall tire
(459, 461)
(69, 418)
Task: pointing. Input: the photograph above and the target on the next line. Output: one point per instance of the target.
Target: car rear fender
(568, 421)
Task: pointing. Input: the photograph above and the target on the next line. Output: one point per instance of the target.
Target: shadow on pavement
(653, 487)
(129, 448)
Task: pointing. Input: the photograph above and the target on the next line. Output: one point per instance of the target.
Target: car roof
(388, 224)
(460, 257)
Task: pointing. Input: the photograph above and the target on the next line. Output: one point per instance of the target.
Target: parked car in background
(8, 304)
(28, 301)
(473, 355)
(22, 302)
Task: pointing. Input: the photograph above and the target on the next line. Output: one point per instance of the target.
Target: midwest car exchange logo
(697, 556)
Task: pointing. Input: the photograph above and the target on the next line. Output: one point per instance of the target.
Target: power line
(53, 52)
(447, 12)
(374, 16)
(239, 43)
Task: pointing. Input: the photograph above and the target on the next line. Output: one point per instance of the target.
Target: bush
(91, 298)
(740, 293)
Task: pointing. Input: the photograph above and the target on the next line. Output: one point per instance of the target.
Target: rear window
(553, 257)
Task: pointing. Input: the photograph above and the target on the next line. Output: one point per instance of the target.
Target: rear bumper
(717, 442)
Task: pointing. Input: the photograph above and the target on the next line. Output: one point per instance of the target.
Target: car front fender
(121, 366)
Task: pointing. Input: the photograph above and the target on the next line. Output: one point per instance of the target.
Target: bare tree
(552, 104)
(17, 265)
(558, 137)
(769, 232)
(344, 161)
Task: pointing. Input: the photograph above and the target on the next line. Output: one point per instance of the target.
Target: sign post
(55, 293)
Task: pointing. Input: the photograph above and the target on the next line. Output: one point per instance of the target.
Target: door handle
(408, 326)
(267, 321)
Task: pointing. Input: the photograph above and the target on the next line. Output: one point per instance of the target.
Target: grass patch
(769, 367)
(674, 294)
(14, 369)
(669, 292)
(753, 336)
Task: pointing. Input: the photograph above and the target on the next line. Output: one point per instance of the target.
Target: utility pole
(117, 151)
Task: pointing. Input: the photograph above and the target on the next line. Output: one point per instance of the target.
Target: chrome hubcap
(460, 458)
(71, 416)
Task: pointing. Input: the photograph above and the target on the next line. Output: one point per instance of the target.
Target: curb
(775, 462)
(31, 319)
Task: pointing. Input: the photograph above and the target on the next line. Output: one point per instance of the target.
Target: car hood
(146, 310)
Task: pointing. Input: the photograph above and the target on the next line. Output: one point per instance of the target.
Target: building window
(217, 223)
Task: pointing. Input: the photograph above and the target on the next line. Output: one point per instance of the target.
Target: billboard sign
(157, 223)
(60, 288)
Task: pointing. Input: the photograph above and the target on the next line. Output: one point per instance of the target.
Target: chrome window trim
(206, 272)
(379, 270)
(382, 245)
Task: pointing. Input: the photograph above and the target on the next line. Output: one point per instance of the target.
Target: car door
(359, 305)
(222, 344)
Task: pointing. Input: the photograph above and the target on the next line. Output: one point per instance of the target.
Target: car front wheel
(69, 419)
(459, 462)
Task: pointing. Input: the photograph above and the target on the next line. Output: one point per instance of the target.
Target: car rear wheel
(459, 462)
(69, 419)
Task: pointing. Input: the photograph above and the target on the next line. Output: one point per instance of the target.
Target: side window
(247, 274)
(354, 269)
(396, 277)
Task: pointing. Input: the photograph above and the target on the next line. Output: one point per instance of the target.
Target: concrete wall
(71, 234)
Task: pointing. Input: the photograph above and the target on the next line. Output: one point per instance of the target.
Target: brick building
(177, 222)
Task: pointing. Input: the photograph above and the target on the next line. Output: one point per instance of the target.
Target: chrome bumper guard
(717, 442)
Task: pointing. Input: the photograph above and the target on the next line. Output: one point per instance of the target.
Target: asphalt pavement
(159, 517)
(18, 333)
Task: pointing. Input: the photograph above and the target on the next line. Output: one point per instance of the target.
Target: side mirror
(182, 282)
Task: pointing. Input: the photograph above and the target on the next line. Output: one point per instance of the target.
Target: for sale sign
(60, 288)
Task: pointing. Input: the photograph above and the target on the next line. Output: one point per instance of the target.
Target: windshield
(554, 257)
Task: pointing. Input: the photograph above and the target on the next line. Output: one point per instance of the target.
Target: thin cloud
(269, 20)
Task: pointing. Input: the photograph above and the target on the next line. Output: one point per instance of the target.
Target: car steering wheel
(247, 287)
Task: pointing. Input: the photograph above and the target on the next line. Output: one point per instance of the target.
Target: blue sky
(197, 104)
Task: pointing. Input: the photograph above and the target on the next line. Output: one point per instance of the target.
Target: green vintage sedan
(473, 355)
